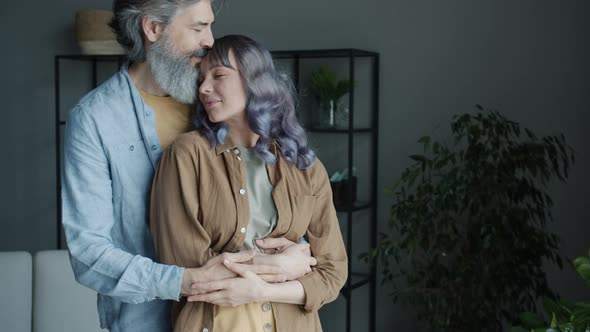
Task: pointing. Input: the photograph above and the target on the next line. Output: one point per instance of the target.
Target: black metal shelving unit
(355, 279)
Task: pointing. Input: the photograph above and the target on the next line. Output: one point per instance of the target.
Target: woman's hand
(215, 269)
(294, 259)
(247, 287)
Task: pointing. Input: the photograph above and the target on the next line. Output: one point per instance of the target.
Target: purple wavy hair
(270, 105)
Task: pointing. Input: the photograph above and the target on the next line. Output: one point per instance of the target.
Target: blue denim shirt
(111, 150)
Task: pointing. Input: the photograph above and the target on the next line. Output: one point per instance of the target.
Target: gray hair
(128, 14)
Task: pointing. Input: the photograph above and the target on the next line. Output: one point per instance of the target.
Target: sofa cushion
(60, 303)
(16, 286)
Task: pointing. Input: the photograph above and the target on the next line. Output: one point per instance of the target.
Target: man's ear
(151, 29)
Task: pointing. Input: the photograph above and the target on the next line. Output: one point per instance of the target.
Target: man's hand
(215, 270)
(247, 287)
(294, 259)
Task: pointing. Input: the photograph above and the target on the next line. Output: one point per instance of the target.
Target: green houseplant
(468, 223)
(563, 316)
(327, 91)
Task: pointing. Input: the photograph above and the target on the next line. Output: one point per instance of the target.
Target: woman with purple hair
(243, 179)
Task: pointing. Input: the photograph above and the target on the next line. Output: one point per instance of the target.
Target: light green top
(263, 212)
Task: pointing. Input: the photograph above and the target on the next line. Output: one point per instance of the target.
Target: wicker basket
(93, 33)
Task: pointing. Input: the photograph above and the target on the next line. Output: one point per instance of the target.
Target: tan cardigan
(199, 208)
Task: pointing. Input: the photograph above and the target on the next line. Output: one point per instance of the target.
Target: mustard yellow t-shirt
(172, 117)
(256, 316)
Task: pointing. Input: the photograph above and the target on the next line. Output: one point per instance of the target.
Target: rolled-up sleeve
(88, 219)
(323, 284)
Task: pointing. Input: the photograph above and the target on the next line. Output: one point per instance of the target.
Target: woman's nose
(204, 87)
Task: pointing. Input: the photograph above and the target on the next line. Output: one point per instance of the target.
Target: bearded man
(113, 142)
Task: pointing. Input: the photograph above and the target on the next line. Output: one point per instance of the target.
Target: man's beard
(174, 71)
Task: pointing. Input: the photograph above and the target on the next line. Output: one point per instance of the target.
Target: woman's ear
(152, 29)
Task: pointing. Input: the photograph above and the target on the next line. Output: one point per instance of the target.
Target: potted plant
(562, 315)
(469, 224)
(327, 91)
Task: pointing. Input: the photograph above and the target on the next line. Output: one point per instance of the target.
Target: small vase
(341, 115)
(325, 113)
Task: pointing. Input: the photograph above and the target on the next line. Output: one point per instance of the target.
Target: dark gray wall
(529, 59)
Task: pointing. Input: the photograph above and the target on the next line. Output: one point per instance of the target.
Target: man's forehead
(199, 13)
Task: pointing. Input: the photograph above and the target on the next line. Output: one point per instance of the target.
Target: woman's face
(222, 92)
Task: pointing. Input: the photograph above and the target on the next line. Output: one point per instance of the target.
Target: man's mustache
(201, 52)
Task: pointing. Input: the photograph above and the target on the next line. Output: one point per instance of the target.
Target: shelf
(94, 57)
(334, 53)
(330, 53)
(339, 130)
(357, 206)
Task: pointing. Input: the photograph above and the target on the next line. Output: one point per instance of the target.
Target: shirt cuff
(314, 293)
(167, 281)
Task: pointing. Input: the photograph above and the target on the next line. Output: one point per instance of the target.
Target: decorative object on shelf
(561, 315)
(340, 183)
(327, 91)
(469, 224)
(94, 34)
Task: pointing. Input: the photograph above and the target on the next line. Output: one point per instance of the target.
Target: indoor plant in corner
(469, 224)
(561, 315)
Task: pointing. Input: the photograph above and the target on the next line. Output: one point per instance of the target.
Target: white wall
(529, 59)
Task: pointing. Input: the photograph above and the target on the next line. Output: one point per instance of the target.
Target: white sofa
(40, 294)
(16, 291)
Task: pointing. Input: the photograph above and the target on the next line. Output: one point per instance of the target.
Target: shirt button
(131, 148)
(266, 307)
(236, 151)
(148, 113)
(242, 191)
(243, 230)
(154, 148)
(267, 327)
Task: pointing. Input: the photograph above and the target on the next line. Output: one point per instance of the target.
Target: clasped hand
(230, 282)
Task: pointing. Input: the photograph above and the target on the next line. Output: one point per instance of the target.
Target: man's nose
(208, 40)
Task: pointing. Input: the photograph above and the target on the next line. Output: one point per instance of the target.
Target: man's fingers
(240, 269)
(208, 297)
(207, 287)
(274, 243)
(239, 257)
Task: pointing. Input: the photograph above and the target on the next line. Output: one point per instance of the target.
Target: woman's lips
(211, 103)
